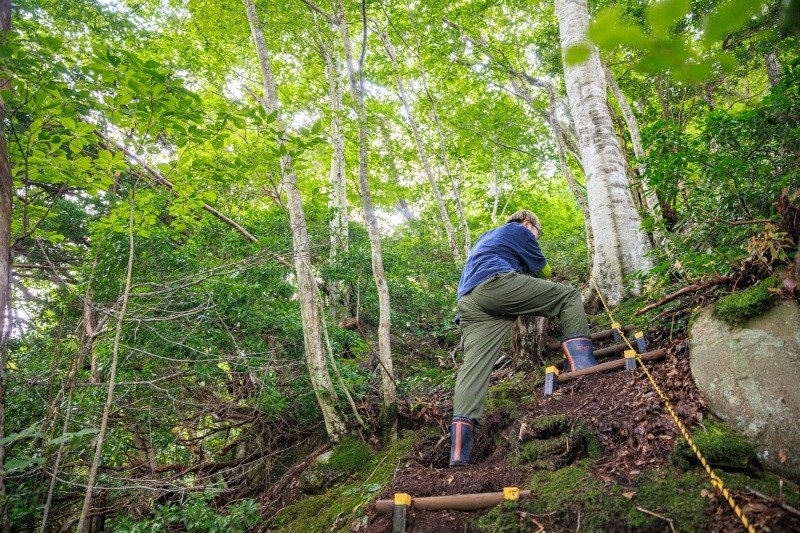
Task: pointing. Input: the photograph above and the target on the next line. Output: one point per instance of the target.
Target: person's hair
(525, 214)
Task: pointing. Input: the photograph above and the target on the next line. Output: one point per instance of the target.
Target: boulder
(750, 376)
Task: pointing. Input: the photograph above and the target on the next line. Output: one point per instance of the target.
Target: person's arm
(531, 255)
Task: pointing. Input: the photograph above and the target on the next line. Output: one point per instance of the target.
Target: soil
(620, 408)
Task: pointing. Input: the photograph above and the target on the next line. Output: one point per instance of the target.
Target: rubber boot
(462, 434)
(578, 351)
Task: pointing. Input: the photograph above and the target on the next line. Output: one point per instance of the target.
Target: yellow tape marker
(511, 493)
(401, 498)
(551, 370)
(616, 325)
(630, 354)
(638, 334)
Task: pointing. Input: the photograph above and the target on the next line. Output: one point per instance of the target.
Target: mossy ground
(347, 502)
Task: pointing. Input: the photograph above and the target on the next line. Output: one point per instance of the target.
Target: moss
(508, 393)
(720, 446)
(561, 497)
(346, 503)
(350, 455)
(388, 419)
(739, 307)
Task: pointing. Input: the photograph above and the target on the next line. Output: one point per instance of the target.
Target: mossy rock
(739, 307)
(720, 446)
(351, 455)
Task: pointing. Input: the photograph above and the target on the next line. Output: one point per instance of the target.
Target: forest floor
(601, 454)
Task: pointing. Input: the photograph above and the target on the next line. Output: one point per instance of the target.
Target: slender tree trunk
(621, 247)
(455, 180)
(306, 284)
(112, 376)
(402, 204)
(337, 201)
(6, 192)
(773, 68)
(388, 388)
(421, 151)
(650, 194)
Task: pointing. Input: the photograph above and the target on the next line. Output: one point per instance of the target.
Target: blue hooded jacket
(509, 248)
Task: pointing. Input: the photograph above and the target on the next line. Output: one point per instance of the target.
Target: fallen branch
(651, 513)
(690, 288)
(292, 473)
(786, 507)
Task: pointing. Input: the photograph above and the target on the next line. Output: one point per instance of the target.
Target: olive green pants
(487, 314)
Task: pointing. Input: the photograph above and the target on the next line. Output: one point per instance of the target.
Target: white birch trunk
(388, 388)
(421, 151)
(306, 284)
(401, 206)
(620, 244)
(337, 200)
(650, 196)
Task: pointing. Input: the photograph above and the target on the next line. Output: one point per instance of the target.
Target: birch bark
(388, 388)
(650, 196)
(421, 151)
(621, 247)
(306, 284)
(337, 201)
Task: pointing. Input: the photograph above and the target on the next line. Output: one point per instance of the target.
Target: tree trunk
(306, 284)
(83, 526)
(6, 192)
(773, 68)
(337, 201)
(620, 244)
(455, 180)
(421, 151)
(528, 342)
(402, 204)
(388, 388)
(650, 195)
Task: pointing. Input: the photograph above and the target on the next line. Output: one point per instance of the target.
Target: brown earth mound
(621, 409)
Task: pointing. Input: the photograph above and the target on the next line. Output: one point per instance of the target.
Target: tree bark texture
(388, 387)
(306, 284)
(650, 195)
(621, 246)
(337, 201)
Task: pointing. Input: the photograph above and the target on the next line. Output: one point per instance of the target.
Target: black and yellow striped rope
(716, 481)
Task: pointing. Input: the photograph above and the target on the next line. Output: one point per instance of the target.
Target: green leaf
(577, 53)
(67, 123)
(22, 463)
(272, 117)
(608, 30)
(30, 432)
(67, 437)
(729, 17)
(665, 14)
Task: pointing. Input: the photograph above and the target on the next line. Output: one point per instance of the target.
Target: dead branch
(786, 507)
(690, 288)
(293, 472)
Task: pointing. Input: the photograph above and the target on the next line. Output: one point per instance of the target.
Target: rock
(750, 376)
(318, 480)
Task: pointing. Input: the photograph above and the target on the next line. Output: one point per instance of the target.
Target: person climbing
(503, 278)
